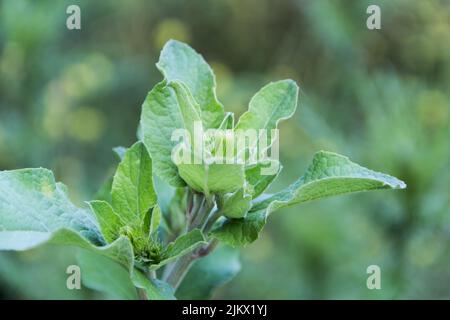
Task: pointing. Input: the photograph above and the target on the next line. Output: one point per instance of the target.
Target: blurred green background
(379, 96)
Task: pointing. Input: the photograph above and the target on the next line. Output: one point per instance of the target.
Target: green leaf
(180, 62)
(132, 189)
(34, 209)
(155, 220)
(154, 288)
(235, 205)
(240, 232)
(190, 110)
(120, 250)
(214, 178)
(182, 245)
(109, 220)
(209, 273)
(33, 205)
(105, 275)
(210, 178)
(162, 114)
(275, 102)
(257, 181)
(329, 174)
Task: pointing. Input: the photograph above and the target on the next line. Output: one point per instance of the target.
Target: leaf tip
(399, 184)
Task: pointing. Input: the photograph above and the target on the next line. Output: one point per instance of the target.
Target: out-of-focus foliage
(380, 96)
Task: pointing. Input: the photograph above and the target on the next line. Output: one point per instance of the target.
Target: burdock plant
(169, 229)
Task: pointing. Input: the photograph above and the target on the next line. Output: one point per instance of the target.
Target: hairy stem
(176, 272)
(179, 269)
(214, 216)
(202, 214)
(183, 264)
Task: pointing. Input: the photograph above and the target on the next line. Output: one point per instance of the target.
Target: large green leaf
(34, 209)
(329, 174)
(132, 191)
(209, 273)
(162, 114)
(108, 276)
(105, 275)
(178, 61)
(120, 250)
(33, 205)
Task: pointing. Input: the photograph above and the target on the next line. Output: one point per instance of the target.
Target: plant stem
(214, 216)
(193, 207)
(176, 272)
(141, 294)
(179, 270)
(202, 214)
(183, 264)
